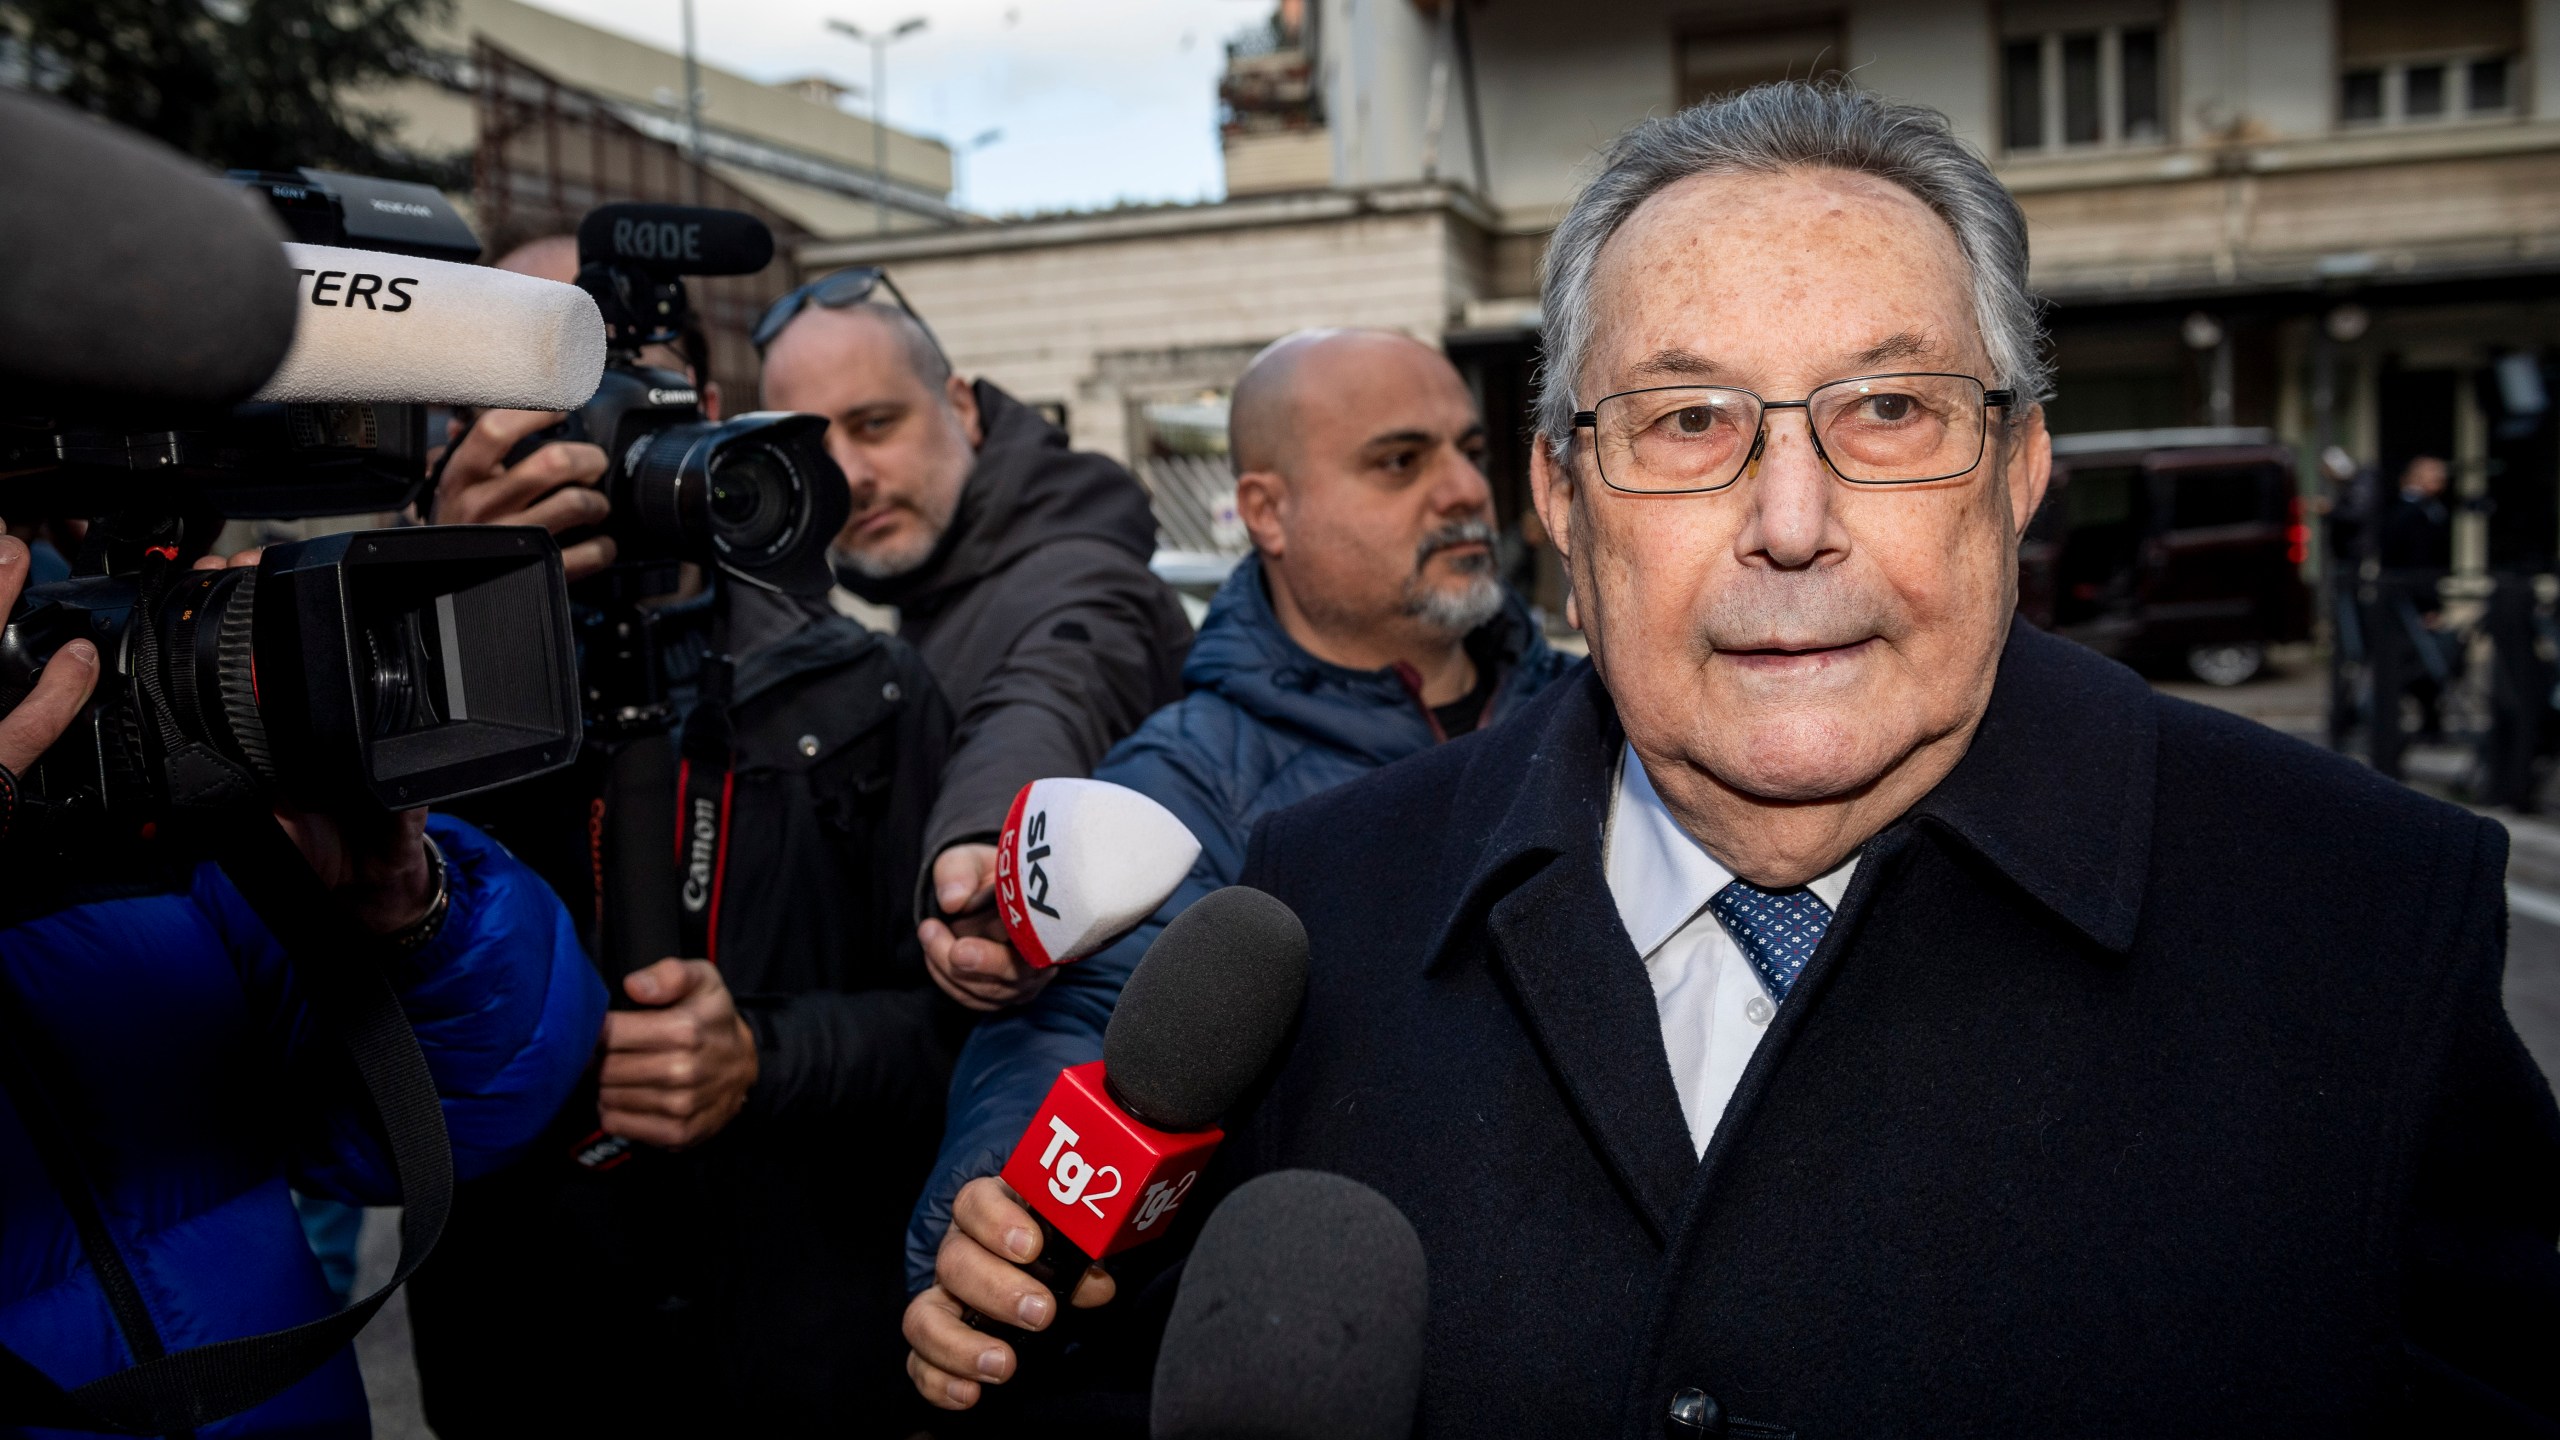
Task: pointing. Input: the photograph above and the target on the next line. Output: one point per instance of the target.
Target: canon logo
(697, 869)
(674, 397)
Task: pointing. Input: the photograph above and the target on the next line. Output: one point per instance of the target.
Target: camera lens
(757, 495)
(751, 494)
(397, 696)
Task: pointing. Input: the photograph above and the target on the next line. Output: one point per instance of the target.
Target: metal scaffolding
(550, 152)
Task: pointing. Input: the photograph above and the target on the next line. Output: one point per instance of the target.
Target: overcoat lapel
(1558, 946)
(1580, 986)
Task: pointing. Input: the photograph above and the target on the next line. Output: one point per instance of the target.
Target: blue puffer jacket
(1264, 725)
(185, 1062)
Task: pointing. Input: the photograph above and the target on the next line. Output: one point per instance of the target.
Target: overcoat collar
(2055, 791)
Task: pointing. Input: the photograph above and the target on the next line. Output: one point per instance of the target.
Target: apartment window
(1723, 59)
(2411, 64)
(2080, 87)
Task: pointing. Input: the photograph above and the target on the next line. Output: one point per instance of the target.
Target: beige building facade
(2336, 218)
(792, 146)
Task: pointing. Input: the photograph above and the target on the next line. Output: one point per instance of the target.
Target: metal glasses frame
(1590, 420)
(836, 292)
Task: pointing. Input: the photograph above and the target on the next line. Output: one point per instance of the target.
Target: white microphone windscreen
(385, 328)
(1082, 861)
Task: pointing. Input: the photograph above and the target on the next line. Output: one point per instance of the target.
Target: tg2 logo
(1071, 1175)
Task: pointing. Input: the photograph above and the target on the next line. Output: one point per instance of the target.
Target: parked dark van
(2170, 548)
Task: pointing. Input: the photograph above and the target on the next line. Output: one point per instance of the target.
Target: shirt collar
(1659, 875)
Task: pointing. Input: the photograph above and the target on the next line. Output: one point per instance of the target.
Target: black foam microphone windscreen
(127, 270)
(675, 239)
(1206, 1009)
(1300, 1317)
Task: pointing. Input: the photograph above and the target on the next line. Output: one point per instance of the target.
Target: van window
(2101, 495)
(2199, 499)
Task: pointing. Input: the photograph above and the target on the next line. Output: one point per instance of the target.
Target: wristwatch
(418, 932)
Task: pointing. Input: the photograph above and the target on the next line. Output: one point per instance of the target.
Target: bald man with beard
(1367, 625)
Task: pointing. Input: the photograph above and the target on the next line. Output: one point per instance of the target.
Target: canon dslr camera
(756, 496)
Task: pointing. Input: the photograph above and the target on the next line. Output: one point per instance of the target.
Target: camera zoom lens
(751, 494)
(396, 666)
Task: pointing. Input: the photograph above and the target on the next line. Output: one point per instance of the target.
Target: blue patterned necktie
(1777, 929)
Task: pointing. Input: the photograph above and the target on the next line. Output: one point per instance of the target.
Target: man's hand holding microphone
(1078, 864)
(1118, 1145)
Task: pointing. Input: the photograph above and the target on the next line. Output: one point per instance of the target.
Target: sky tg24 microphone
(1080, 862)
(1119, 1143)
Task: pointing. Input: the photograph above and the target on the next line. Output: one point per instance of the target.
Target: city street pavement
(382, 1351)
(2288, 700)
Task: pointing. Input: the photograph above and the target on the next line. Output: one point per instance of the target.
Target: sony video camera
(388, 667)
(756, 496)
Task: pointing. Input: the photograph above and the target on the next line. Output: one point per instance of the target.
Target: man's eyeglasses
(1871, 430)
(835, 292)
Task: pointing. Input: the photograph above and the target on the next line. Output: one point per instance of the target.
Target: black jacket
(1039, 616)
(2417, 534)
(2153, 1080)
(752, 1283)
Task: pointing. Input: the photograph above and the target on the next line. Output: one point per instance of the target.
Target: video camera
(392, 667)
(756, 496)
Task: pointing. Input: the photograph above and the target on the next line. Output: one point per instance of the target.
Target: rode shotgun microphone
(1119, 1142)
(1300, 1317)
(1081, 862)
(394, 328)
(675, 239)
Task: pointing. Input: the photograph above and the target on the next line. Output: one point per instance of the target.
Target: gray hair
(1790, 125)
(923, 356)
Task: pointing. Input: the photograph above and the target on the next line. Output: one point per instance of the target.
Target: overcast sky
(1099, 100)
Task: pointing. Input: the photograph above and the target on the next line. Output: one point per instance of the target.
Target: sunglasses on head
(835, 292)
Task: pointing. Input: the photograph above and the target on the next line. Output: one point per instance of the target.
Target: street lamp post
(692, 104)
(977, 142)
(880, 44)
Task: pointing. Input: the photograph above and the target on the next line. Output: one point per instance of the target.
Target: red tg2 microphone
(1119, 1143)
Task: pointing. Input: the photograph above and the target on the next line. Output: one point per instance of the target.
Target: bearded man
(1366, 626)
(1018, 568)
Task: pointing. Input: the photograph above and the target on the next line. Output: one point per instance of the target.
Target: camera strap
(707, 786)
(344, 970)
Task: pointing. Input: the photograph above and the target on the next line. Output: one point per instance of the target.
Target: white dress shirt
(1714, 1007)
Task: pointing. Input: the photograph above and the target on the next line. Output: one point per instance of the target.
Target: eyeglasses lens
(1875, 430)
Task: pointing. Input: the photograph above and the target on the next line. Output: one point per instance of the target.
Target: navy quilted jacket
(1264, 725)
(183, 1057)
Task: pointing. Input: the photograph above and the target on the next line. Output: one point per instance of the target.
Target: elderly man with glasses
(1844, 1010)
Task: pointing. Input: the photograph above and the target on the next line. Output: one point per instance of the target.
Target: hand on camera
(968, 954)
(377, 860)
(29, 730)
(675, 1075)
(979, 1269)
(554, 487)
